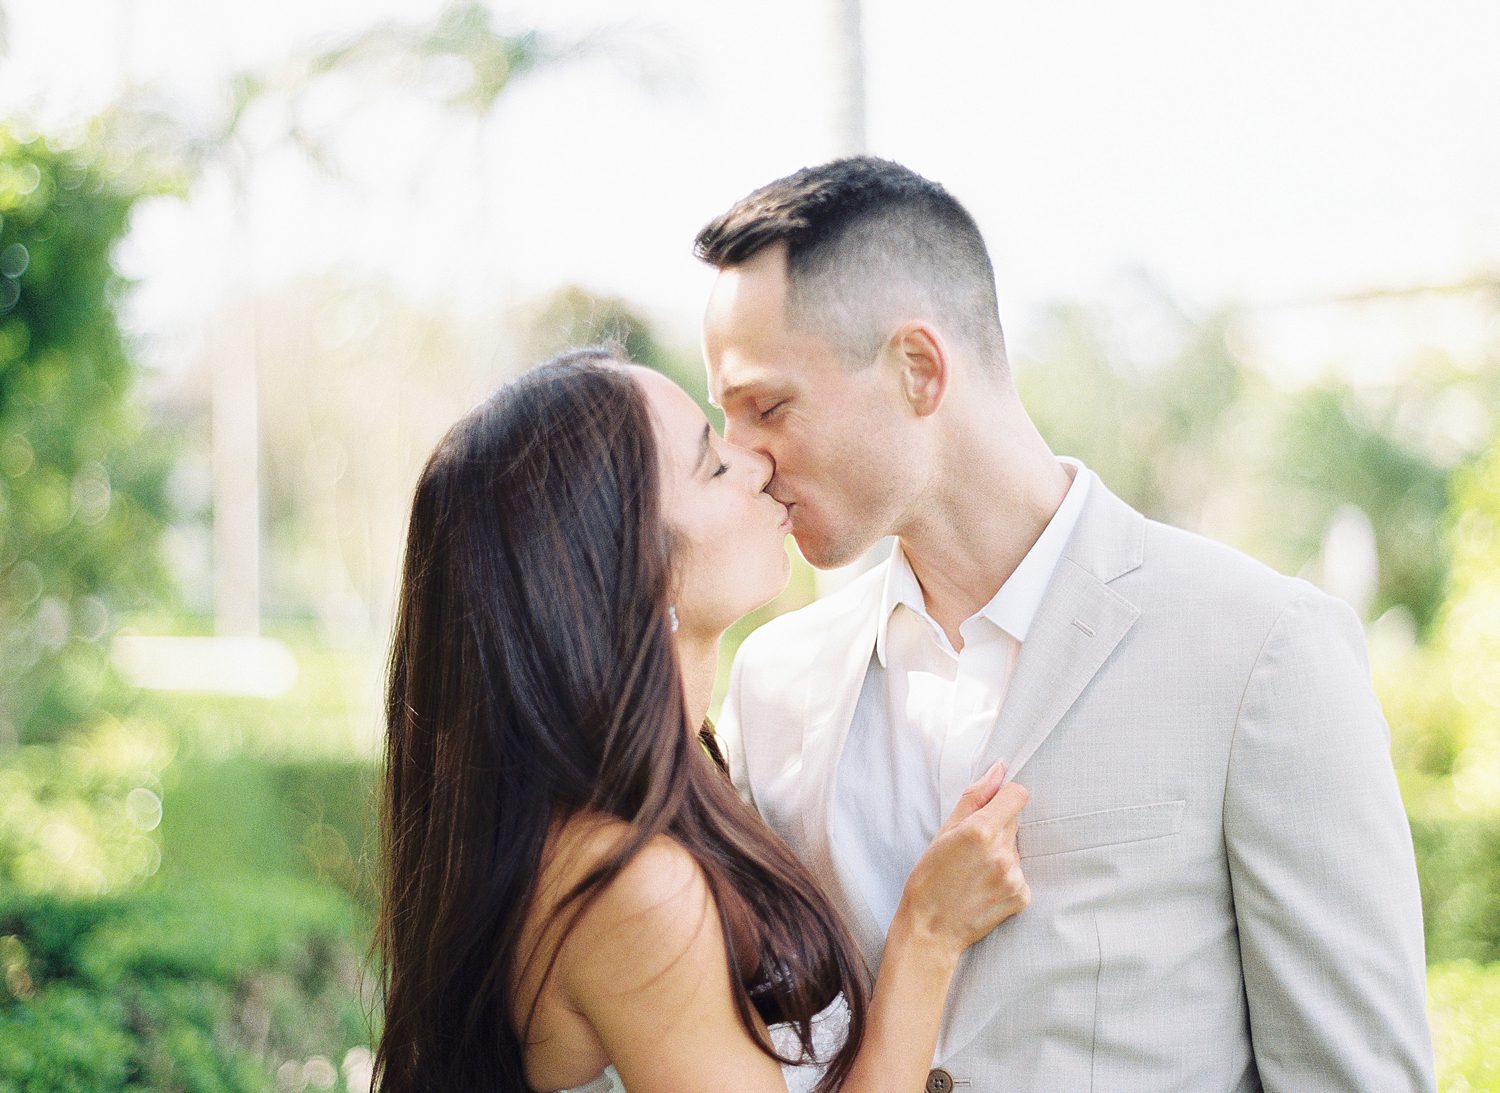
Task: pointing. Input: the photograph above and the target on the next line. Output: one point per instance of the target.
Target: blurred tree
(573, 316)
(1162, 421)
(1468, 632)
(1165, 409)
(357, 383)
(1339, 448)
(462, 60)
(81, 478)
(1443, 702)
(465, 36)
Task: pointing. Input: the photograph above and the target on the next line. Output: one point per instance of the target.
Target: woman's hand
(969, 879)
(964, 885)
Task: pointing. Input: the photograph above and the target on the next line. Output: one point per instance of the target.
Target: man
(1223, 890)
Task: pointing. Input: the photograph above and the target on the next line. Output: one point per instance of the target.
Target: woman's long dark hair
(533, 675)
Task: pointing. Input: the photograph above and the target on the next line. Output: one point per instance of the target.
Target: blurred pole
(236, 455)
(850, 137)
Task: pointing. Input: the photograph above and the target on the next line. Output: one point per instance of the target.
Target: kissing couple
(1207, 883)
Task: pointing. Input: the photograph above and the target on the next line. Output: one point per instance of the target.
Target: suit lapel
(1077, 626)
(1080, 622)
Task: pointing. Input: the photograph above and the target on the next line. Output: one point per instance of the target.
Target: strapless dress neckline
(830, 1029)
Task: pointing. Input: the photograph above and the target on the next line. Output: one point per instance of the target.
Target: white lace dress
(829, 1030)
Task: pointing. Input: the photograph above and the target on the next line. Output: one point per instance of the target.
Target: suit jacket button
(939, 1081)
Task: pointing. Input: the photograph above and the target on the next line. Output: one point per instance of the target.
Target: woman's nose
(762, 468)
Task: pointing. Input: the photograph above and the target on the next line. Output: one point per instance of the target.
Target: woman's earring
(672, 614)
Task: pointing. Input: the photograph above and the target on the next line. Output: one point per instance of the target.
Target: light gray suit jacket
(1224, 893)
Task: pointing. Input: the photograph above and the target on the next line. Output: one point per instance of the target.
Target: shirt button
(939, 1081)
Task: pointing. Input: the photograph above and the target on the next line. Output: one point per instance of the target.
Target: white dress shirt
(925, 710)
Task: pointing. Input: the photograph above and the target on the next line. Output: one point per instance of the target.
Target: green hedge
(313, 820)
(1458, 861)
(198, 990)
(1463, 1001)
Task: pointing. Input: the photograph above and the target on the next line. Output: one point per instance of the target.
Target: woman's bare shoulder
(654, 912)
(585, 841)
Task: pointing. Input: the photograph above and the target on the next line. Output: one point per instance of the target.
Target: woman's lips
(786, 522)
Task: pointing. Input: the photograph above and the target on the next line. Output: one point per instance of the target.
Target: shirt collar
(1014, 607)
(901, 590)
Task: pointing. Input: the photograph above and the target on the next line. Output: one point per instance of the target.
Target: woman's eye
(723, 468)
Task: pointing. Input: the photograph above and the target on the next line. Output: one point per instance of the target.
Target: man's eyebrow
(736, 389)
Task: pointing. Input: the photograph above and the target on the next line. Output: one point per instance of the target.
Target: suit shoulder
(1185, 568)
(785, 636)
(1190, 559)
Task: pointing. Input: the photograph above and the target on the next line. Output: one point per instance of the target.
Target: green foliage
(1458, 862)
(1463, 1003)
(1189, 433)
(1443, 699)
(81, 479)
(249, 817)
(67, 1039)
(1429, 724)
(240, 786)
(1335, 450)
(79, 817)
(1159, 430)
(464, 39)
(1469, 635)
(238, 965)
(203, 988)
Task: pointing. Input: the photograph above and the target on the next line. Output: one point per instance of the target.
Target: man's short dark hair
(864, 238)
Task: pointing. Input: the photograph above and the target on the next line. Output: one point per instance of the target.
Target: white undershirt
(925, 710)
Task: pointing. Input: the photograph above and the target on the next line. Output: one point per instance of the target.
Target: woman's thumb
(979, 792)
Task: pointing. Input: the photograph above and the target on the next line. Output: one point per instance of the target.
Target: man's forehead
(752, 295)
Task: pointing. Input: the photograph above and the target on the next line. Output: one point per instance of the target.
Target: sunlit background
(255, 258)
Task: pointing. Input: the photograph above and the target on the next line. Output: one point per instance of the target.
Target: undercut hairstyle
(869, 245)
(533, 677)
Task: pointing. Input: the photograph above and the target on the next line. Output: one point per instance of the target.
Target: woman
(574, 895)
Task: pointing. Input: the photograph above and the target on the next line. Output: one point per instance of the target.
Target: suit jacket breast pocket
(1086, 830)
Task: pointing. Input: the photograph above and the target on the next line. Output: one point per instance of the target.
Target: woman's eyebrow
(703, 447)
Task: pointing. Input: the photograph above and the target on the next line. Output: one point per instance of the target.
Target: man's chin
(820, 553)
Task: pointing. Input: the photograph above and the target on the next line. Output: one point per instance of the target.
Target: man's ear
(918, 353)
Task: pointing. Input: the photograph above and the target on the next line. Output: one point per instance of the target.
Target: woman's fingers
(994, 825)
(970, 878)
(1004, 805)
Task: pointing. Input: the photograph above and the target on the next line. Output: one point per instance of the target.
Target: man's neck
(975, 531)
